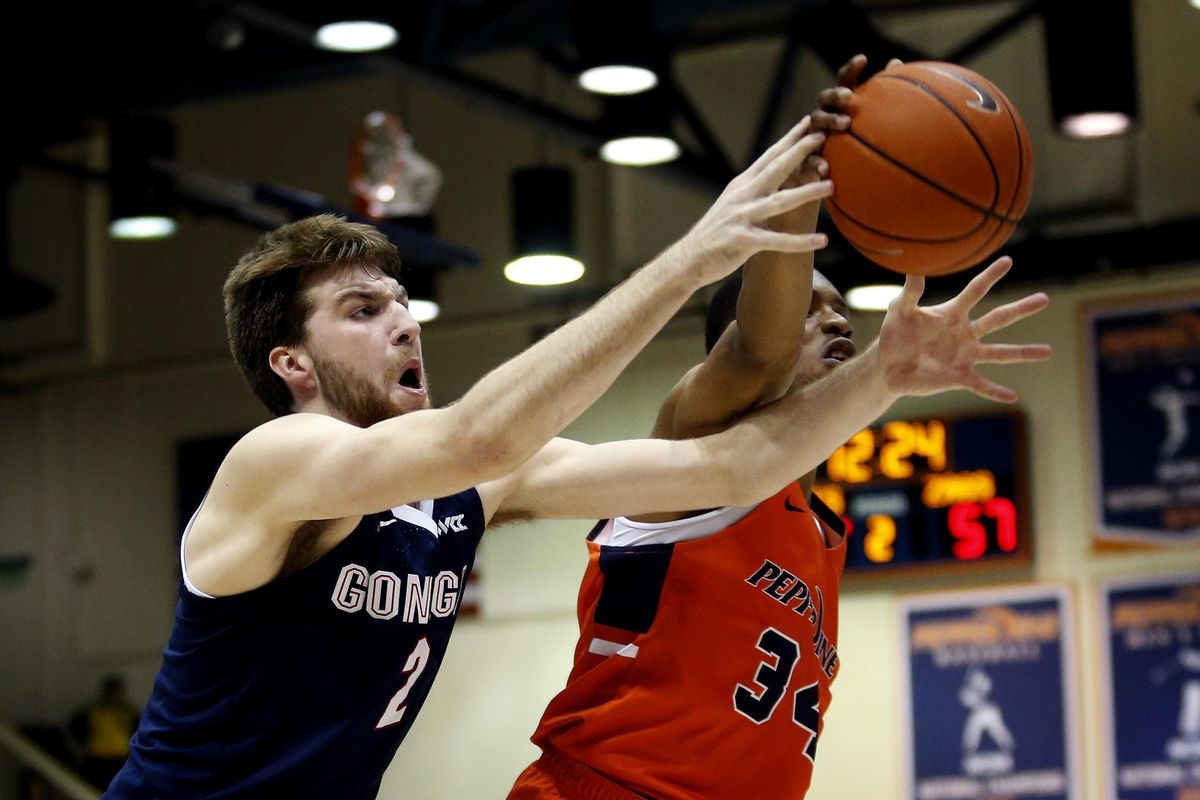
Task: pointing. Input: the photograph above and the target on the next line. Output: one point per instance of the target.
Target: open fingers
(835, 98)
(830, 121)
(1007, 314)
(982, 283)
(786, 162)
(1012, 353)
(816, 165)
(910, 296)
(990, 389)
(848, 73)
(785, 200)
(772, 153)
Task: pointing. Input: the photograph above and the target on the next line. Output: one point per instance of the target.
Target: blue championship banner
(1152, 630)
(1144, 365)
(990, 695)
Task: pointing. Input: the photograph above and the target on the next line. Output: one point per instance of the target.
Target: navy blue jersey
(305, 687)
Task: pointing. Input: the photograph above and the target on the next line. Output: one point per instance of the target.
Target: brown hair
(265, 302)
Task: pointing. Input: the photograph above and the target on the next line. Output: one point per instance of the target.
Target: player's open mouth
(410, 378)
(840, 350)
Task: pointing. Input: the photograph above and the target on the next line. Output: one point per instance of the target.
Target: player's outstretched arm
(752, 361)
(920, 351)
(306, 467)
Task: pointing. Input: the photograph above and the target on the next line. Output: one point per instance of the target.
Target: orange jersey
(703, 667)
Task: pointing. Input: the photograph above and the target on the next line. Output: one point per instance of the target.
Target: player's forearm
(793, 435)
(532, 397)
(776, 288)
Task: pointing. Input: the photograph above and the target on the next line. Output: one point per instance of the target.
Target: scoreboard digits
(932, 492)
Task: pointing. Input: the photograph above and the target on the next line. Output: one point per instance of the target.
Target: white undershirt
(191, 587)
(625, 532)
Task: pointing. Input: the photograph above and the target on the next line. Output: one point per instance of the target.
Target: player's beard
(356, 399)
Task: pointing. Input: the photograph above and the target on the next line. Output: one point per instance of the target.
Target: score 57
(968, 524)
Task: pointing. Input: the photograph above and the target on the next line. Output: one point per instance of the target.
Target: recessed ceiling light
(142, 228)
(544, 270)
(640, 151)
(359, 36)
(1096, 124)
(423, 310)
(875, 297)
(617, 79)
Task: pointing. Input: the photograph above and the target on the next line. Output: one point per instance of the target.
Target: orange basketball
(935, 170)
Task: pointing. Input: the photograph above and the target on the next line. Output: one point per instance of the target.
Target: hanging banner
(1144, 384)
(1151, 627)
(990, 695)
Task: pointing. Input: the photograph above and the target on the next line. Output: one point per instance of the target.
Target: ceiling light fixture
(355, 36)
(615, 42)
(874, 297)
(638, 130)
(142, 198)
(618, 79)
(421, 286)
(543, 228)
(640, 151)
(1092, 70)
(424, 310)
(1096, 124)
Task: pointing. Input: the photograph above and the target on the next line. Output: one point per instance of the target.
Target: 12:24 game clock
(931, 493)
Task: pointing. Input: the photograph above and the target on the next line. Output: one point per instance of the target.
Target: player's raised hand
(928, 349)
(833, 104)
(737, 225)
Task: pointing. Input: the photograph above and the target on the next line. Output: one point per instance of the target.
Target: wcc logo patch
(453, 524)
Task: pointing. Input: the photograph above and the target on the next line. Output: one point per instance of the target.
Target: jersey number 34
(757, 703)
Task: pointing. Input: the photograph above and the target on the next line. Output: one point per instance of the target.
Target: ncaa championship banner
(990, 694)
(1151, 627)
(1143, 363)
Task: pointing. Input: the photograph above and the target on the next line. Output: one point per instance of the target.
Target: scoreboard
(931, 493)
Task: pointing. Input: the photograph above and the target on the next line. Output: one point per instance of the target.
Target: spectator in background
(104, 728)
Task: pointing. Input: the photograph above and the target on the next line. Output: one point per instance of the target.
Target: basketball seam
(971, 257)
(1020, 153)
(956, 238)
(970, 130)
(931, 183)
(986, 245)
(929, 90)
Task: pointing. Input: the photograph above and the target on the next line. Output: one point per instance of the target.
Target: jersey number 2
(759, 702)
(413, 667)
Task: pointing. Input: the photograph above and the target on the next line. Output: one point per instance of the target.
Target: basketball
(935, 170)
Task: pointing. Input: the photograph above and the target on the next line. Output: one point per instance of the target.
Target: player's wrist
(687, 265)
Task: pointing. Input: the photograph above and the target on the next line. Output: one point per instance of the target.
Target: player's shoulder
(271, 448)
(289, 432)
(668, 413)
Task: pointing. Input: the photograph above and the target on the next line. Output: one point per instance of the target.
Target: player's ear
(294, 366)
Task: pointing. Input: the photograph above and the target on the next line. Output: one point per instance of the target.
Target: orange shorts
(555, 776)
